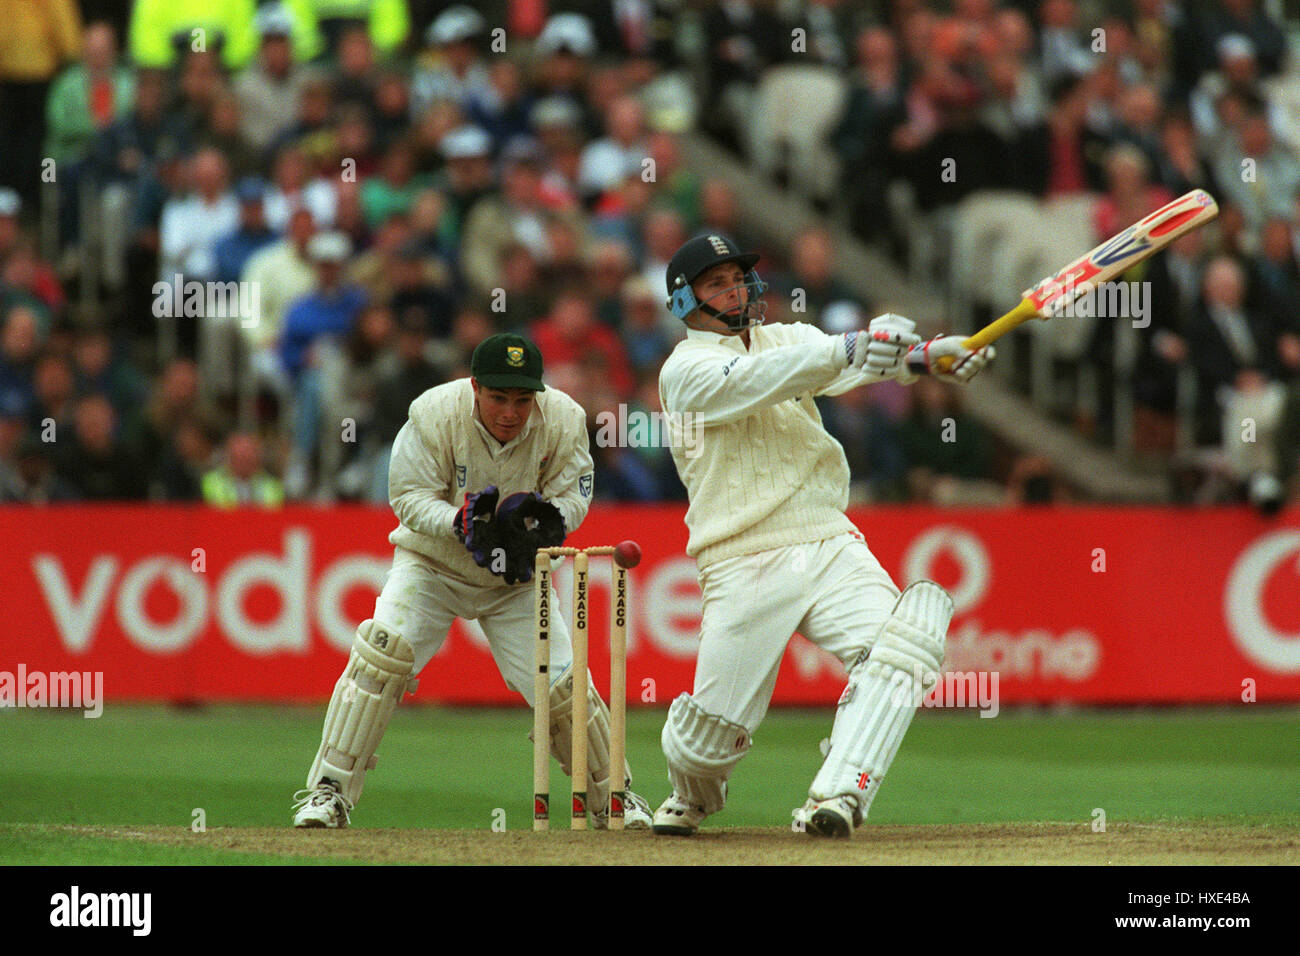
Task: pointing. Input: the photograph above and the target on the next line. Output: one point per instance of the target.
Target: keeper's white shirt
(444, 452)
(760, 470)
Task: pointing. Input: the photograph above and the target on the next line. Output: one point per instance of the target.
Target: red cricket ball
(627, 554)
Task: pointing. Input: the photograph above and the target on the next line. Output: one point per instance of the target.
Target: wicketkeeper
(486, 470)
(768, 489)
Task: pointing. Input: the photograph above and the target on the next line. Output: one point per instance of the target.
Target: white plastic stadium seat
(797, 106)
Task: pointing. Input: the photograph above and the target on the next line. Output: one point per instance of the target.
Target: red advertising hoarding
(1085, 605)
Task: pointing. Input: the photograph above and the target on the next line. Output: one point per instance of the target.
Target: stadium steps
(777, 216)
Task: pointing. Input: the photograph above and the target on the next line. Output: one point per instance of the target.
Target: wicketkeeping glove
(527, 521)
(476, 525)
(923, 359)
(879, 351)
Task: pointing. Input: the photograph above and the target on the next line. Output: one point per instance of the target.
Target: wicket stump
(542, 687)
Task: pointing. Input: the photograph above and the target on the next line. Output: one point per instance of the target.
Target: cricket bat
(1110, 259)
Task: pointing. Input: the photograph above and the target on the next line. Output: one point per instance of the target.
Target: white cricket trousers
(834, 592)
(420, 603)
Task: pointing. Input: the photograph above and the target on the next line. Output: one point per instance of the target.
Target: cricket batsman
(486, 470)
(768, 488)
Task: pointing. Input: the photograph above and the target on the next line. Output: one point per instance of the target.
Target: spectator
(26, 280)
(1232, 346)
(468, 177)
(173, 398)
(563, 54)
(1262, 188)
(101, 368)
(294, 187)
(743, 38)
(178, 475)
(354, 77)
(411, 376)
(458, 72)
(87, 97)
(620, 153)
(664, 233)
(515, 216)
(242, 481)
(505, 110)
(330, 309)
(644, 336)
(1175, 280)
(39, 38)
(1062, 54)
(571, 333)
(420, 282)
(874, 108)
(608, 264)
(1179, 165)
(92, 461)
(192, 225)
(235, 250)
(281, 273)
(811, 285)
(54, 391)
(945, 447)
(311, 130)
(31, 478)
(130, 147)
(269, 89)
(20, 343)
(396, 186)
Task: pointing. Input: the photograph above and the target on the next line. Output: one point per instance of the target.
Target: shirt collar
(732, 342)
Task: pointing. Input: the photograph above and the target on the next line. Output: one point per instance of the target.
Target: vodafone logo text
(1073, 654)
(1244, 602)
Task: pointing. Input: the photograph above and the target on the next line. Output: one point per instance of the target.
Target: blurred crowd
(383, 183)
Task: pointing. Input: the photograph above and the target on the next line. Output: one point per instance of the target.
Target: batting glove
(924, 359)
(879, 352)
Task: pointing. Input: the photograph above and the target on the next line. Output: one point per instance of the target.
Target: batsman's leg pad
(597, 739)
(884, 690)
(701, 749)
(379, 673)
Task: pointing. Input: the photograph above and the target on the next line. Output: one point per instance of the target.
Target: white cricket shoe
(676, 817)
(636, 814)
(323, 806)
(836, 818)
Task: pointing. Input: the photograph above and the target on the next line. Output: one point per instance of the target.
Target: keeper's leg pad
(598, 768)
(378, 674)
(701, 749)
(884, 690)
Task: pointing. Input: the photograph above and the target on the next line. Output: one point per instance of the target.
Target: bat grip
(1023, 312)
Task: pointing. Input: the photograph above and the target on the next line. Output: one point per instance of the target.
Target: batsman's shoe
(636, 814)
(676, 817)
(322, 807)
(835, 818)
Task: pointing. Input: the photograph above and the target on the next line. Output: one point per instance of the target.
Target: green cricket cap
(507, 360)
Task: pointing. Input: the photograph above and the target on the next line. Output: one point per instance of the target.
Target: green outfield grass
(63, 776)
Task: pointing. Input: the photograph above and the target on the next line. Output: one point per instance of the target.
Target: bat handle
(1025, 311)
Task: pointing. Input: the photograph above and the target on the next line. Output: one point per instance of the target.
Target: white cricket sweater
(763, 473)
(444, 452)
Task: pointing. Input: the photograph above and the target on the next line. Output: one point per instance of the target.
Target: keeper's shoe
(636, 814)
(323, 806)
(836, 818)
(676, 817)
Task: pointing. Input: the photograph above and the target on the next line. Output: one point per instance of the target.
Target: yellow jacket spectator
(160, 27)
(37, 39)
(241, 481)
(389, 21)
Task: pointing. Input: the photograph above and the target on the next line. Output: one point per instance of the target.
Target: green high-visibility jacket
(156, 23)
